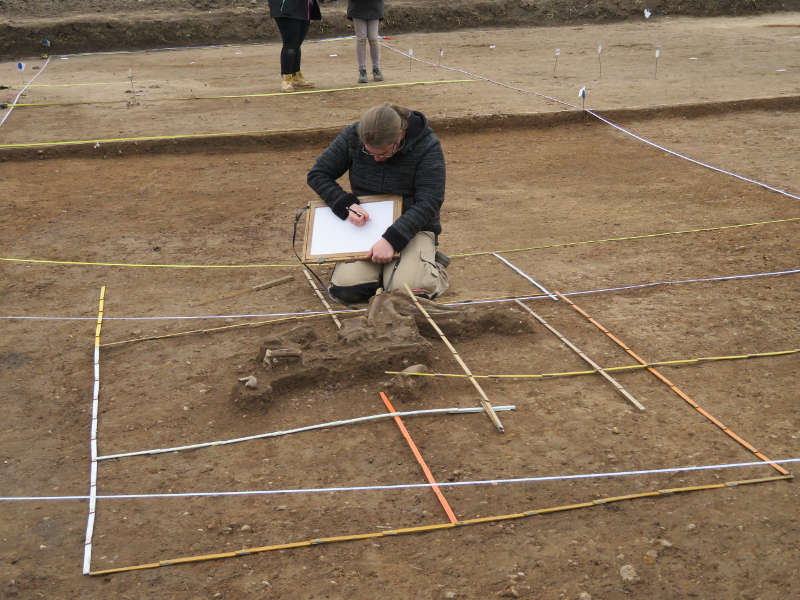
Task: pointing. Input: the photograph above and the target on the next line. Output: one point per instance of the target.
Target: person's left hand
(381, 252)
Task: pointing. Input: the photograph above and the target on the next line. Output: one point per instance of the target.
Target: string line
(408, 486)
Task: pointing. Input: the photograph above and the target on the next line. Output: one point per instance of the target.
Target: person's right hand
(358, 215)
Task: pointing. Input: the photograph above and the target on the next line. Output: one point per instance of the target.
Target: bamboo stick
(439, 526)
(578, 351)
(675, 389)
(669, 363)
(327, 306)
(484, 398)
(255, 288)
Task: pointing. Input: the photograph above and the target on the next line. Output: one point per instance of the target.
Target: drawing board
(328, 238)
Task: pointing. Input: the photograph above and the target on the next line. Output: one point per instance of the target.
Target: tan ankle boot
(287, 83)
(300, 81)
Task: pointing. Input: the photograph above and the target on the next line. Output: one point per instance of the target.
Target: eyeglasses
(393, 149)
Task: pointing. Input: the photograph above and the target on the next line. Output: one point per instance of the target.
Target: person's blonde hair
(382, 125)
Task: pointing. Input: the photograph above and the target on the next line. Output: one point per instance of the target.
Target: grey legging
(367, 30)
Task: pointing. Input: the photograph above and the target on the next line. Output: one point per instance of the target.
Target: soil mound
(392, 335)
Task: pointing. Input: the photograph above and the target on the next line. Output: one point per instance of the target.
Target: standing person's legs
(298, 79)
(291, 36)
(417, 268)
(301, 36)
(374, 49)
(360, 29)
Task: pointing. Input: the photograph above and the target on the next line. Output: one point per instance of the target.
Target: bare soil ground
(569, 200)
(83, 25)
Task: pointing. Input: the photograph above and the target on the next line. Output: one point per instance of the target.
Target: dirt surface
(575, 204)
(82, 25)
(704, 67)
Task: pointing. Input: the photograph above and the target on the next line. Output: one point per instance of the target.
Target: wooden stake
(487, 406)
(578, 351)
(255, 288)
(327, 306)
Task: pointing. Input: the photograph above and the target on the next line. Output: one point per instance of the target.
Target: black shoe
(442, 259)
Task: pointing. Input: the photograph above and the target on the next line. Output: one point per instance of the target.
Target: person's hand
(381, 252)
(358, 215)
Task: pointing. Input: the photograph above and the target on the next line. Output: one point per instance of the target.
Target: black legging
(293, 32)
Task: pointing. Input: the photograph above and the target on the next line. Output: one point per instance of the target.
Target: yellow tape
(439, 526)
(607, 370)
(620, 239)
(261, 266)
(151, 138)
(75, 103)
(99, 317)
(110, 264)
(216, 329)
(234, 96)
(78, 84)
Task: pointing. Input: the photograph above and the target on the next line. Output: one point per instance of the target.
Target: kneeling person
(391, 150)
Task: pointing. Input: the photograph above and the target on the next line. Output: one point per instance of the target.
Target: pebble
(584, 596)
(628, 574)
(245, 528)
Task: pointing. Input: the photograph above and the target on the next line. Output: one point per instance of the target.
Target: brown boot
(287, 83)
(300, 81)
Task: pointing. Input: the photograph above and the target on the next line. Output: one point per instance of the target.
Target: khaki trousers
(416, 267)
